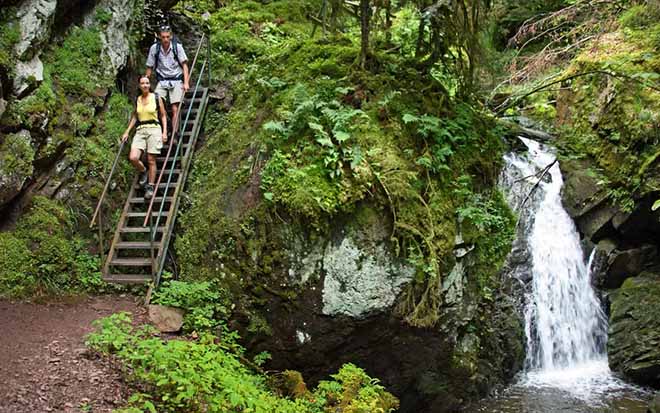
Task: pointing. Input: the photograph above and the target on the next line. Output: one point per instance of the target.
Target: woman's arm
(131, 124)
(163, 117)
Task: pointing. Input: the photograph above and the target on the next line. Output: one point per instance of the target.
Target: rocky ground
(44, 365)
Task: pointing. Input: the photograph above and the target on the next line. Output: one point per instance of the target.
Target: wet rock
(596, 224)
(634, 332)
(166, 319)
(599, 265)
(628, 263)
(35, 18)
(580, 192)
(28, 75)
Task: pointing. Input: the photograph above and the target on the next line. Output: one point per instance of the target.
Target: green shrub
(11, 34)
(208, 376)
(76, 64)
(205, 304)
(16, 157)
(17, 266)
(44, 256)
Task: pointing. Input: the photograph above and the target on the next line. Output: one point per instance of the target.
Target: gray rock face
(28, 75)
(115, 34)
(359, 281)
(35, 18)
(166, 319)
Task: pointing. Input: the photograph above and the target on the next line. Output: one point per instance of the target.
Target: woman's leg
(151, 160)
(134, 156)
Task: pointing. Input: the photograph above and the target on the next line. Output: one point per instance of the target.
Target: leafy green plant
(43, 256)
(208, 376)
(205, 304)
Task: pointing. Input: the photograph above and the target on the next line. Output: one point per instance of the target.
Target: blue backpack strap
(175, 48)
(157, 57)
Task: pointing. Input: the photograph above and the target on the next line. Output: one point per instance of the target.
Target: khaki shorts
(149, 138)
(173, 94)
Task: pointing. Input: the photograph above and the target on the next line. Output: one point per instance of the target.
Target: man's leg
(175, 120)
(176, 97)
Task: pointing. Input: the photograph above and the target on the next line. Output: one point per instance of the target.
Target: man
(168, 59)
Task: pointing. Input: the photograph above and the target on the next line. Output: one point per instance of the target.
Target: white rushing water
(565, 325)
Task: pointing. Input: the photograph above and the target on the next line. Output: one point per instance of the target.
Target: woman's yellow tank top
(147, 114)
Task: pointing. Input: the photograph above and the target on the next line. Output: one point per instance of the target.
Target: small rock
(28, 75)
(166, 319)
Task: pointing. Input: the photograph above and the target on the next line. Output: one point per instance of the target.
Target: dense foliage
(48, 252)
(208, 375)
(596, 83)
(317, 137)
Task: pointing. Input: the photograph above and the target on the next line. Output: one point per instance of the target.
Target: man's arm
(151, 61)
(183, 59)
(186, 77)
(163, 118)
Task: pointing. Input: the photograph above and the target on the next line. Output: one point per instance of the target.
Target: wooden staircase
(139, 247)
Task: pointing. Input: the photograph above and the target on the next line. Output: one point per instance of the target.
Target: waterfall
(565, 326)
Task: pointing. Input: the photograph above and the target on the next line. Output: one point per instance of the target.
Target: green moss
(16, 156)
(311, 137)
(11, 34)
(76, 65)
(613, 120)
(44, 256)
(17, 266)
(42, 104)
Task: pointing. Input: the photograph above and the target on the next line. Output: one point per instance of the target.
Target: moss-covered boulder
(16, 156)
(634, 333)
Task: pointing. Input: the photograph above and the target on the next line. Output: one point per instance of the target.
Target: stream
(566, 367)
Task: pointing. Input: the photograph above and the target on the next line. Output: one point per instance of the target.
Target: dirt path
(44, 366)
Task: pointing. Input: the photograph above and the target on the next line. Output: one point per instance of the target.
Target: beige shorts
(149, 138)
(173, 94)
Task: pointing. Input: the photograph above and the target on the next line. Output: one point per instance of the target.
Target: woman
(150, 135)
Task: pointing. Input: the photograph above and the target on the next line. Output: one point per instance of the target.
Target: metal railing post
(107, 185)
(208, 59)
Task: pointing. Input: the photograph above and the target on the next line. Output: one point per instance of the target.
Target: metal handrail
(181, 126)
(149, 218)
(97, 216)
(107, 185)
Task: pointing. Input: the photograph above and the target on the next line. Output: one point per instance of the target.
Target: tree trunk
(365, 16)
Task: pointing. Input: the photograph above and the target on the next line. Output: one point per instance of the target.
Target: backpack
(174, 45)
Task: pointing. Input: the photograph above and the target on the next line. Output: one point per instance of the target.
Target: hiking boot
(144, 177)
(149, 191)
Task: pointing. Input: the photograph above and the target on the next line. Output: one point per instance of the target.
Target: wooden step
(136, 245)
(144, 214)
(162, 185)
(131, 262)
(139, 230)
(140, 199)
(127, 278)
